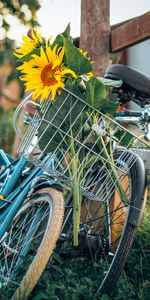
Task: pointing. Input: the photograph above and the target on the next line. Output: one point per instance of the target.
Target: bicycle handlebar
(126, 113)
(127, 119)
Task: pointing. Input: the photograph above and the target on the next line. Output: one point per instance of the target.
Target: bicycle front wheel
(29, 242)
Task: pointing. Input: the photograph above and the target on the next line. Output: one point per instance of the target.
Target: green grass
(65, 279)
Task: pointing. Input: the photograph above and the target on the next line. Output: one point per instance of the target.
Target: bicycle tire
(127, 237)
(120, 247)
(51, 221)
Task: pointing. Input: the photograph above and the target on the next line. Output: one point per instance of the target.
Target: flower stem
(109, 158)
(76, 193)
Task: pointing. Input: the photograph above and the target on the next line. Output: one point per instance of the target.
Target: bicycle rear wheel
(29, 242)
(106, 232)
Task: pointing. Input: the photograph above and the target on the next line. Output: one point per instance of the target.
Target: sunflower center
(48, 75)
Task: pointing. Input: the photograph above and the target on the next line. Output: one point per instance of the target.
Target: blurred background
(50, 17)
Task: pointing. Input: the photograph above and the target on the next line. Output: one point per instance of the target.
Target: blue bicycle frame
(13, 194)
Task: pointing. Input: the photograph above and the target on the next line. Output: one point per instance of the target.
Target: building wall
(139, 57)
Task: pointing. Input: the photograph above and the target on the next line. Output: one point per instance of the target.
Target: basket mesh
(69, 138)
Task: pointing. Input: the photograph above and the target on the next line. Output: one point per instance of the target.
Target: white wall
(139, 57)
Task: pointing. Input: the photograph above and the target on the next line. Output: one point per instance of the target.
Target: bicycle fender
(45, 181)
(137, 210)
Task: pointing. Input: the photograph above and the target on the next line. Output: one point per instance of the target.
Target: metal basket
(69, 138)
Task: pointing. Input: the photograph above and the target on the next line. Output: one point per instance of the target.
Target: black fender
(136, 212)
(43, 181)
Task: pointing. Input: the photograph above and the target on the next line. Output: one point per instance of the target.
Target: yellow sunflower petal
(68, 71)
(56, 63)
(44, 94)
(27, 46)
(44, 74)
(28, 89)
(34, 85)
(38, 60)
(26, 39)
(17, 55)
(36, 94)
(34, 36)
(53, 93)
(43, 56)
(61, 85)
(54, 51)
(61, 54)
(39, 36)
(49, 53)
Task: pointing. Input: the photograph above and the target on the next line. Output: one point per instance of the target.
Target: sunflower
(45, 73)
(29, 44)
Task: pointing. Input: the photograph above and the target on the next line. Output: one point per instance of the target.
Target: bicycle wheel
(106, 232)
(28, 245)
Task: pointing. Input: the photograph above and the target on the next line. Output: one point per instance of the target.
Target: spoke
(11, 249)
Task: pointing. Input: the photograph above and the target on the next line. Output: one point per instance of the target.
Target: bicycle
(26, 226)
(108, 170)
(134, 86)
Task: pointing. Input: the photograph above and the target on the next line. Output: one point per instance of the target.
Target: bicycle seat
(130, 77)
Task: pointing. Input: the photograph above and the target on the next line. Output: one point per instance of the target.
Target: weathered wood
(130, 32)
(95, 32)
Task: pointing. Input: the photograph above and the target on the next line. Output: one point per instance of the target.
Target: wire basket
(70, 139)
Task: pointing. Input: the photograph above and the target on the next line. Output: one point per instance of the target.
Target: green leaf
(96, 96)
(108, 107)
(59, 38)
(61, 120)
(66, 32)
(58, 41)
(95, 92)
(28, 56)
(75, 60)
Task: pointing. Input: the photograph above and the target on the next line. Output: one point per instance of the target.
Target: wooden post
(95, 33)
